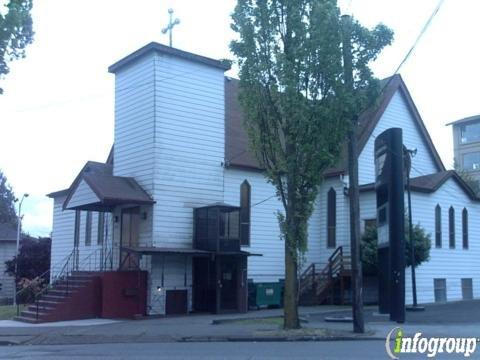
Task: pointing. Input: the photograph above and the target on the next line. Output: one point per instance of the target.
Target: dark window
(465, 228)
(438, 226)
(331, 218)
(470, 133)
(440, 290)
(451, 227)
(229, 222)
(101, 228)
(88, 229)
(76, 231)
(245, 204)
(471, 161)
(467, 289)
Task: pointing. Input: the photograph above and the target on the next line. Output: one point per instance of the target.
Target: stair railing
(310, 279)
(46, 278)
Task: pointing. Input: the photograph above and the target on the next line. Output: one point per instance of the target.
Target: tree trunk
(290, 305)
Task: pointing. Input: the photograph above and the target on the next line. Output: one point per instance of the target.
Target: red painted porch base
(115, 294)
(124, 294)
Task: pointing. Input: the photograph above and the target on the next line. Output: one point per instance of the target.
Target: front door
(129, 238)
(228, 283)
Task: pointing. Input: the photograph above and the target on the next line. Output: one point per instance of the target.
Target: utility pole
(19, 230)
(354, 194)
(169, 27)
(408, 156)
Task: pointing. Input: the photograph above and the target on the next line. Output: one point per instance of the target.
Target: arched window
(331, 218)
(245, 204)
(438, 226)
(451, 227)
(465, 228)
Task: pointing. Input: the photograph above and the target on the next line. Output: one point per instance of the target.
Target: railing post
(313, 278)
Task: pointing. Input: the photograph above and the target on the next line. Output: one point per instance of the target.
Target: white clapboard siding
(450, 264)
(62, 235)
(177, 275)
(7, 252)
(318, 250)
(82, 195)
(134, 122)
(397, 114)
(264, 230)
(189, 145)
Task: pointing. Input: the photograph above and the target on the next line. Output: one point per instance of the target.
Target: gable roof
(111, 190)
(432, 182)
(236, 140)
(167, 50)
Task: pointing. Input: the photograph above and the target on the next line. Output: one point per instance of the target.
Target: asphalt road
(224, 350)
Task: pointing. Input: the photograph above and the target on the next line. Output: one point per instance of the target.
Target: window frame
(438, 226)
(465, 243)
(436, 289)
(88, 229)
(331, 218)
(245, 213)
(451, 228)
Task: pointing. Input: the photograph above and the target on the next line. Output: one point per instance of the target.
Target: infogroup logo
(397, 343)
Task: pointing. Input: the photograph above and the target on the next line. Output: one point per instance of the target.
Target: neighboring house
(8, 246)
(466, 145)
(179, 146)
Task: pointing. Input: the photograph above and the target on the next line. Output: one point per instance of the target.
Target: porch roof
(152, 250)
(97, 189)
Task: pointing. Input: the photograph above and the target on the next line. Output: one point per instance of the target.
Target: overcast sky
(57, 110)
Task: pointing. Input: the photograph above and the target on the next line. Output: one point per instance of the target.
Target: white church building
(181, 198)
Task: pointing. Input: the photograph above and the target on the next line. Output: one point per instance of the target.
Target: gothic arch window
(451, 227)
(438, 226)
(331, 218)
(245, 205)
(465, 228)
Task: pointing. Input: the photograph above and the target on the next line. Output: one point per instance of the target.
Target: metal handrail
(41, 276)
(70, 264)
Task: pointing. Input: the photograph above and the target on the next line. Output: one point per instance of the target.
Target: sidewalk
(255, 326)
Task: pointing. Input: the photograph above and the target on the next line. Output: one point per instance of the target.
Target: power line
(422, 32)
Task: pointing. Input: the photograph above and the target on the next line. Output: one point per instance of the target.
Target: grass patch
(8, 312)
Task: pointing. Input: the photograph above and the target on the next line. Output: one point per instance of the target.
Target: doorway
(130, 224)
(228, 283)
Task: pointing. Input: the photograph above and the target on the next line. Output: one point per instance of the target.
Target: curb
(75, 340)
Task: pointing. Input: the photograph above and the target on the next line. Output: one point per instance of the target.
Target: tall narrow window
(451, 227)
(465, 228)
(88, 229)
(245, 205)
(101, 228)
(438, 226)
(76, 231)
(331, 218)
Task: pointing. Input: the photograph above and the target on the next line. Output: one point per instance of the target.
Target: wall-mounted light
(144, 215)
(116, 218)
(159, 289)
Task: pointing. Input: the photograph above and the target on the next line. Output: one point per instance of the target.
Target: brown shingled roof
(236, 140)
(111, 190)
(432, 182)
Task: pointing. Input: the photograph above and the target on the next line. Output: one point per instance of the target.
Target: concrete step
(26, 319)
(33, 314)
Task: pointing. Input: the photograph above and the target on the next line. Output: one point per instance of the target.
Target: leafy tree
(421, 241)
(15, 32)
(7, 202)
(297, 106)
(33, 258)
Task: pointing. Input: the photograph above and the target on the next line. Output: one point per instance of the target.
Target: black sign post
(389, 186)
